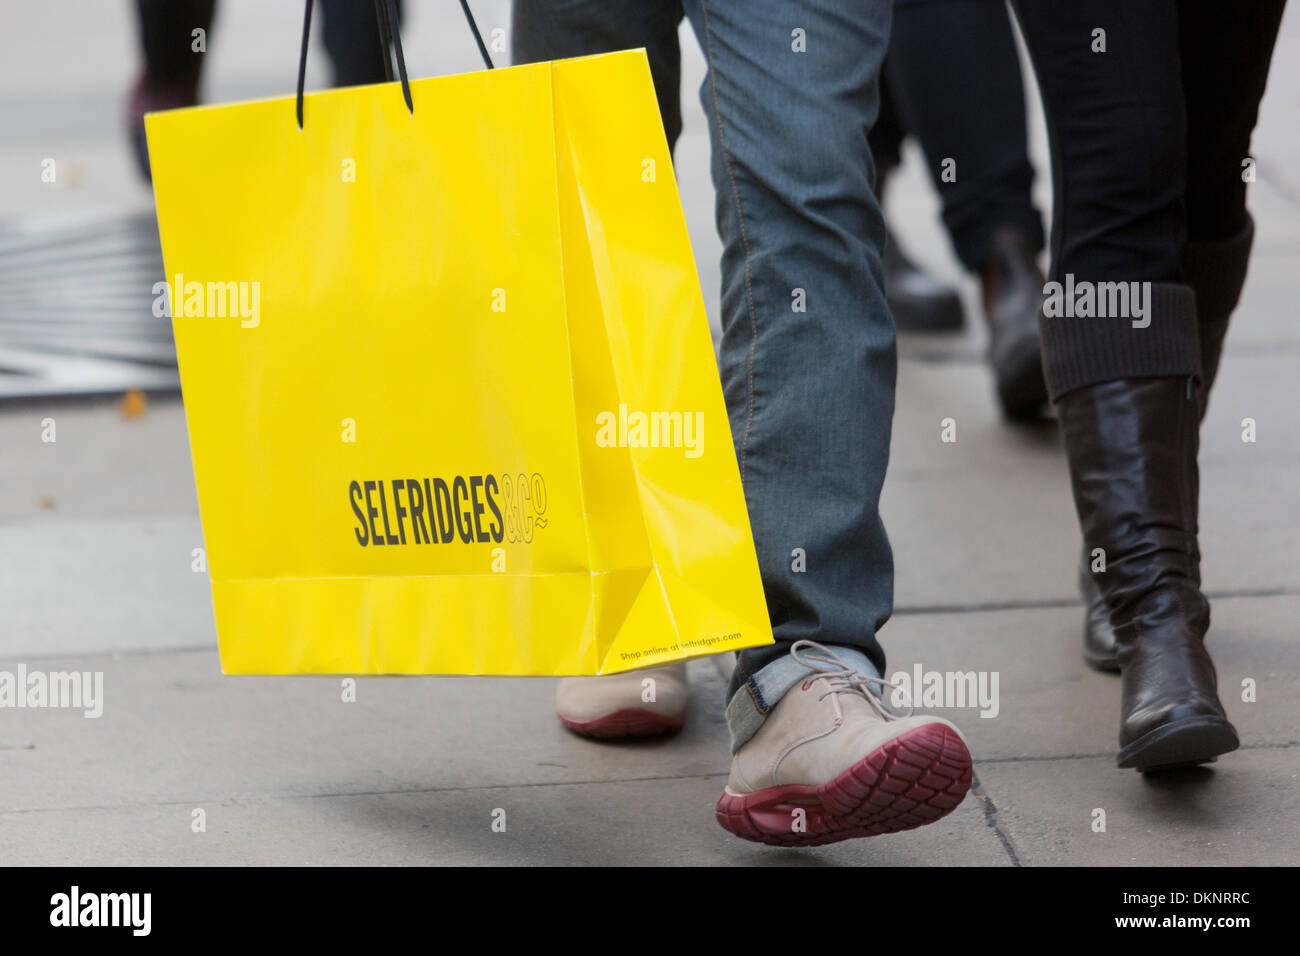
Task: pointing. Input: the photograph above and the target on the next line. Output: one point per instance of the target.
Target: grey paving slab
(1242, 811)
(963, 542)
(1255, 382)
(1265, 319)
(1277, 137)
(642, 823)
(71, 585)
(989, 518)
(173, 726)
(975, 539)
(1053, 705)
(100, 464)
(175, 733)
(1273, 198)
(410, 773)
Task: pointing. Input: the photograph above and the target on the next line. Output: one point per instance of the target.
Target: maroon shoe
(832, 763)
(640, 703)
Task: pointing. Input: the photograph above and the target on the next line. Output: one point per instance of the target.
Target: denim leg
(808, 354)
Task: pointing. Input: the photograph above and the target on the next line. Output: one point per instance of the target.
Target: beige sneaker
(832, 763)
(615, 705)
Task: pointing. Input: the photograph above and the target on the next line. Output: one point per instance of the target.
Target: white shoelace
(842, 678)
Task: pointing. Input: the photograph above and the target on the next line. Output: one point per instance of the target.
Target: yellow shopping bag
(451, 396)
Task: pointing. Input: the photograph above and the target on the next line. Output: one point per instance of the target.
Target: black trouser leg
(351, 33)
(167, 38)
(1117, 124)
(547, 30)
(887, 135)
(954, 74)
(1127, 392)
(918, 301)
(1226, 61)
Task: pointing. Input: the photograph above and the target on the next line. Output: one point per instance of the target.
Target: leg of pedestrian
(809, 368)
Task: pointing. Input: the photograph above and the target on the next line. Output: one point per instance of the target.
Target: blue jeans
(808, 357)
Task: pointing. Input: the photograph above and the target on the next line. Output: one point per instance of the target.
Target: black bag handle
(386, 13)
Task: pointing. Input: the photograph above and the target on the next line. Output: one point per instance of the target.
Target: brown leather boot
(1013, 295)
(918, 300)
(1132, 448)
(1216, 271)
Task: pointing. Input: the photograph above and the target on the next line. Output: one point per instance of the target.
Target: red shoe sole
(914, 779)
(627, 722)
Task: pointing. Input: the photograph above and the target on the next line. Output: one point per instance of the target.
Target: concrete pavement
(97, 531)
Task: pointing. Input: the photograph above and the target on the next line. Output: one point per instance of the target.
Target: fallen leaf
(133, 404)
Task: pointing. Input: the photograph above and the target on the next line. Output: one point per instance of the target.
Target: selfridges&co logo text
(465, 509)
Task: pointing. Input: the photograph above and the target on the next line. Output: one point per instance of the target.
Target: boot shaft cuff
(1102, 332)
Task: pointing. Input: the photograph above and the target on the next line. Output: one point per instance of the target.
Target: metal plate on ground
(76, 308)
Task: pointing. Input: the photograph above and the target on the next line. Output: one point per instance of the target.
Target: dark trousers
(952, 79)
(350, 28)
(1150, 109)
(1148, 137)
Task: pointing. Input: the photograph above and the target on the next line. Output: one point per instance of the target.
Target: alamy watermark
(128, 910)
(943, 689)
(1098, 300)
(212, 300)
(637, 429)
(67, 690)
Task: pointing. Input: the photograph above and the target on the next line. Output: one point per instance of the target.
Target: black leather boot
(1132, 447)
(1216, 271)
(919, 301)
(1099, 649)
(1013, 296)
